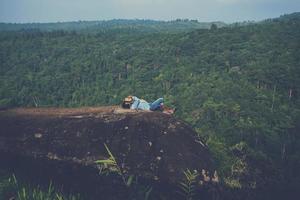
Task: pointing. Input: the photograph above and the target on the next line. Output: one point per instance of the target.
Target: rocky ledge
(63, 145)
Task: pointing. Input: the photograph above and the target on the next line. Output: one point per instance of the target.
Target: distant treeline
(179, 25)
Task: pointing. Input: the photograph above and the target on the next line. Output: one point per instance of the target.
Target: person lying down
(133, 102)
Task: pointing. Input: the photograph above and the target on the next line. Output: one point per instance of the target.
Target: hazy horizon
(51, 11)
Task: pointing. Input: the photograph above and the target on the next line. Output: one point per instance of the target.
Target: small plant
(110, 165)
(188, 185)
(10, 188)
(147, 192)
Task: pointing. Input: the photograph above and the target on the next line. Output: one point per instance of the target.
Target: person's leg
(156, 104)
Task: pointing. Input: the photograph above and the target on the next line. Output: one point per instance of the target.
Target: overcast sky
(202, 10)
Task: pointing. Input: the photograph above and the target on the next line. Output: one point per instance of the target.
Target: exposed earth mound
(63, 144)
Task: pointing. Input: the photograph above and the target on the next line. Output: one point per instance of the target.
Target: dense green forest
(238, 86)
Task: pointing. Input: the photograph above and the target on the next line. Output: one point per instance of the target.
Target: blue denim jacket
(140, 104)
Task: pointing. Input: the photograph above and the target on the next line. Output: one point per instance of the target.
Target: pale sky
(22, 11)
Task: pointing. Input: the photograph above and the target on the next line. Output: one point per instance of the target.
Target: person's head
(127, 102)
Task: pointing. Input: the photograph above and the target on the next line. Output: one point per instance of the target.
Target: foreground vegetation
(12, 189)
(238, 86)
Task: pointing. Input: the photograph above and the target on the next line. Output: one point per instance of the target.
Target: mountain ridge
(147, 25)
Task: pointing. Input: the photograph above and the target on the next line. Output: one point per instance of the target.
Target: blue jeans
(155, 105)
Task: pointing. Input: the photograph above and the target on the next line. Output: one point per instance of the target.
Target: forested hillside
(238, 86)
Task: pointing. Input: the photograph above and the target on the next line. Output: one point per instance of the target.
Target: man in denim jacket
(141, 104)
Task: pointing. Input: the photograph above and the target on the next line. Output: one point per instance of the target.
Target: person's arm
(136, 102)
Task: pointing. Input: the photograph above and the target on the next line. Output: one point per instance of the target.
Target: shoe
(169, 111)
